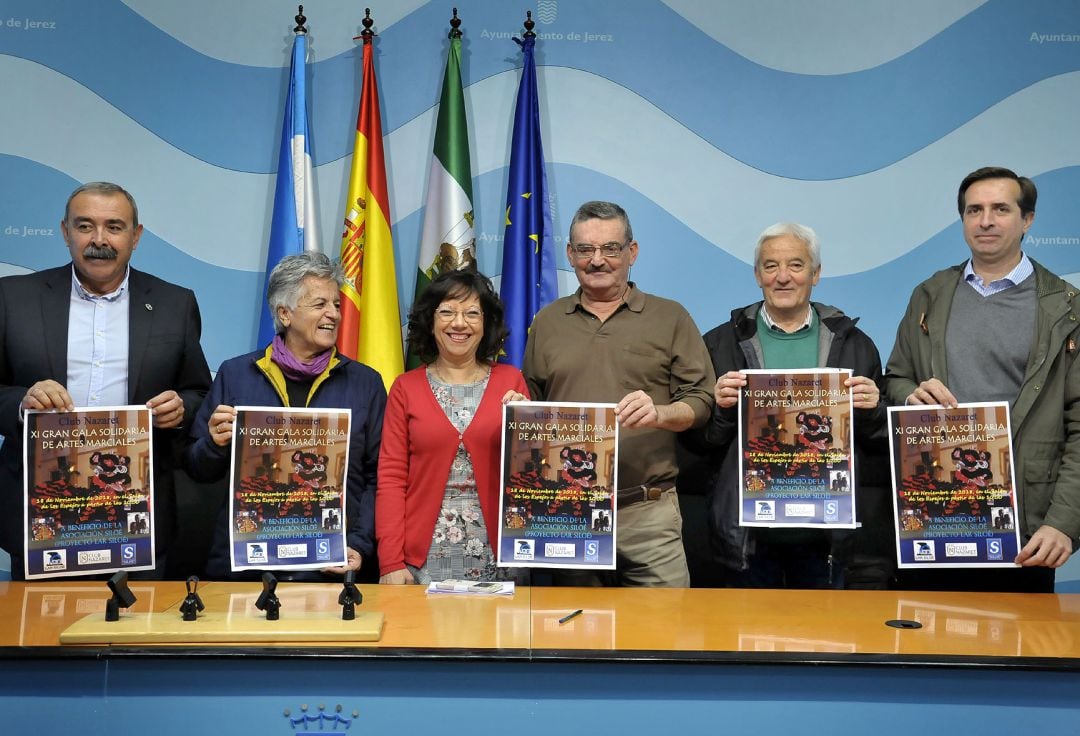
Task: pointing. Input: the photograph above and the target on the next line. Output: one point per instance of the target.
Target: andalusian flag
(448, 241)
(370, 321)
(528, 273)
(292, 225)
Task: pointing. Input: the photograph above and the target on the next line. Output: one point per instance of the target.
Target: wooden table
(633, 661)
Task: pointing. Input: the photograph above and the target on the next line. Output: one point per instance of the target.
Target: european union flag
(528, 271)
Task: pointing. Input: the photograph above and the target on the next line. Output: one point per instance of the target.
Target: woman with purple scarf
(300, 368)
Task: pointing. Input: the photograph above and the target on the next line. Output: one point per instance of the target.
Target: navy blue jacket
(347, 385)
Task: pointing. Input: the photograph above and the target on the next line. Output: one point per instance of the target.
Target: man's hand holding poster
(287, 488)
(559, 465)
(796, 439)
(89, 497)
(953, 494)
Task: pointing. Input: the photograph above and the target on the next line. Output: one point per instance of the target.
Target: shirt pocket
(645, 367)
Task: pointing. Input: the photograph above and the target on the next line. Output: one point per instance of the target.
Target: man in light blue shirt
(98, 336)
(97, 333)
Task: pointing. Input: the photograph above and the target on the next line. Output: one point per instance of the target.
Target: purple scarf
(292, 367)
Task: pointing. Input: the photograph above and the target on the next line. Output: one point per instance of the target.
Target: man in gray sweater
(1000, 327)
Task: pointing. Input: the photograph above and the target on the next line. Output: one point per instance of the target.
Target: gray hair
(597, 210)
(283, 287)
(108, 189)
(803, 232)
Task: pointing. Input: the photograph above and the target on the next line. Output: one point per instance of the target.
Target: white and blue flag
(292, 229)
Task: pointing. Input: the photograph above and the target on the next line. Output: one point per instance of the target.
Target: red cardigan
(418, 446)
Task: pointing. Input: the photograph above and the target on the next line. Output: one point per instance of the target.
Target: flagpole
(528, 281)
(370, 327)
(292, 220)
(448, 237)
(455, 27)
(367, 34)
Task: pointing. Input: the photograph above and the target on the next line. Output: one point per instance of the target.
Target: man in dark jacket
(97, 333)
(788, 331)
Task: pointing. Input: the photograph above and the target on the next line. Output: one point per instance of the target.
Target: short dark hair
(1028, 192)
(598, 210)
(106, 188)
(456, 284)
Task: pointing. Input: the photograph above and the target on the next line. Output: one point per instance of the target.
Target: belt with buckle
(635, 494)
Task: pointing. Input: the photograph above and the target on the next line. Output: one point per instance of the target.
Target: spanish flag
(370, 328)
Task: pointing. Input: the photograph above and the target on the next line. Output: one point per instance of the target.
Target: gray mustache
(103, 252)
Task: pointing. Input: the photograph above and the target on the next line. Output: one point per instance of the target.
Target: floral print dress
(460, 549)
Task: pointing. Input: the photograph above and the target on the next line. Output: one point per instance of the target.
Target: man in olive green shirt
(611, 342)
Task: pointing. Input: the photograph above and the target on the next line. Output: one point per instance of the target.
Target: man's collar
(1021, 271)
(111, 297)
(633, 297)
(772, 323)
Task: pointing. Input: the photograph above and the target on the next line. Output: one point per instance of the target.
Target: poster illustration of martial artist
(89, 497)
(953, 486)
(287, 488)
(796, 440)
(559, 465)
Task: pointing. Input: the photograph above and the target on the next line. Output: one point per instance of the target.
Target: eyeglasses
(583, 252)
(472, 316)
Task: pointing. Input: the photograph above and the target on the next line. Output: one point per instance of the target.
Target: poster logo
(924, 550)
(832, 511)
(256, 553)
(291, 551)
(993, 549)
(524, 549)
(592, 551)
(560, 549)
(95, 557)
(765, 511)
(322, 549)
(799, 510)
(53, 560)
(127, 554)
(961, 549)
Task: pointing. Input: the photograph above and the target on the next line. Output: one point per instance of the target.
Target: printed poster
(796, 435)
(953, 486)
(559, 466)
(287, 488)
(89, 496)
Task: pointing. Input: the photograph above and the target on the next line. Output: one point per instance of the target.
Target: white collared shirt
(97, 346)
(773, 326)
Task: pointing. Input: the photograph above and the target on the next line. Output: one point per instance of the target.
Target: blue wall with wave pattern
(709, 120)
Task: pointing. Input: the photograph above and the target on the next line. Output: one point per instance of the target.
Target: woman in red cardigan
(438, 493)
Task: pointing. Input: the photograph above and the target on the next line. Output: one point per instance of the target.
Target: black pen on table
(569, 616)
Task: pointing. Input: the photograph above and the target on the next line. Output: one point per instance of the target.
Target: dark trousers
(803, 564)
